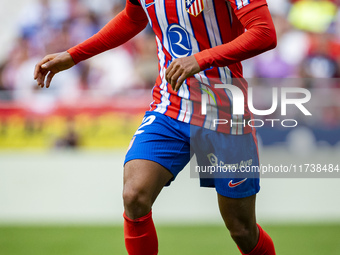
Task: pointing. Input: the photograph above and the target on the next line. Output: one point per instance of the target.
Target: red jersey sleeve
(119, 30)
(259, 37)
(242, 7)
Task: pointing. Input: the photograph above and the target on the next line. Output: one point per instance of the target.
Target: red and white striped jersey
(186, 27)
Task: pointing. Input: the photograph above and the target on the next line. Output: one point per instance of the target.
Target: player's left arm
(259, 37)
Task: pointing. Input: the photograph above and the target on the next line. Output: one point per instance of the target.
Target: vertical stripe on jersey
(237, 120)
(215, 38)
(226, 75)
(171, 17)
(161, 56)
(142, 3)
(220, 9)
(237, 125)
(186, 110)
(184, 21)
(163, 24)
(236, 128)
(162, 106)
(156, 89)
(183, 93)
(211, 111)
(230, 96)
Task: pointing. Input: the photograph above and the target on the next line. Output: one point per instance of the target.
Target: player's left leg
(235, 184)
(239, 217)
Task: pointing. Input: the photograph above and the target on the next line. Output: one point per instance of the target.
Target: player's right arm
(128, 23)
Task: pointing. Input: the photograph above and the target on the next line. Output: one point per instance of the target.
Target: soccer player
(197, 40)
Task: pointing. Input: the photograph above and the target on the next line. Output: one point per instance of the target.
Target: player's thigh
(145, 179)
(157, 153)
(162, 142)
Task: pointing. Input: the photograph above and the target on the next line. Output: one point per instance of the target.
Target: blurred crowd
(54, 26)
(308, 34)
(308, 47)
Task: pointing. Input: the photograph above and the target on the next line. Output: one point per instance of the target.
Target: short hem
(127, 159)
(238, 195)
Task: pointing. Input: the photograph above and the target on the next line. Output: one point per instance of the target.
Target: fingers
(37, 68)
(173, 75)
(48, 65)
(174, 71)
(41, 77)
(36, 71)
(169, 72)
(176, 75)
(49, 79)
(179, 70)
(44, 67)
(175, 79)
(47, 68)
(180, 81)
(41, 80)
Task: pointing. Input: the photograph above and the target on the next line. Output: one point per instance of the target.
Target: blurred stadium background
(61, 149)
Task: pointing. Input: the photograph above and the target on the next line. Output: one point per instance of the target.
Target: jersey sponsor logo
(215, 161)
(231, 184)
(179, 40)
(194, 7)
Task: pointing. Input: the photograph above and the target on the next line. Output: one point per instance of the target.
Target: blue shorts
(167, 141)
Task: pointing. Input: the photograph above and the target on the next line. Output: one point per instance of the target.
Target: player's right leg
(143, 181)
(158, 152)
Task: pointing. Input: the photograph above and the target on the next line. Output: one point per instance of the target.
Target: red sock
(140, 235)
(265, 245)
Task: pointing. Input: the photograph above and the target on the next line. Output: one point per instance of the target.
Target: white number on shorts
(146, 121)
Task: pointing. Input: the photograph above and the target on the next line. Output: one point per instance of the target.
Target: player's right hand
(50, 65)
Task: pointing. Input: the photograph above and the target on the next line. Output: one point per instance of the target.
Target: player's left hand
(180, 69)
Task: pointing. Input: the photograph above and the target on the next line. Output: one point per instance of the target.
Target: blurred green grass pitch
(173, 240)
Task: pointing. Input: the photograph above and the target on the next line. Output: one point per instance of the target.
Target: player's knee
(136, 201)
(240, 235)
(242, 232)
